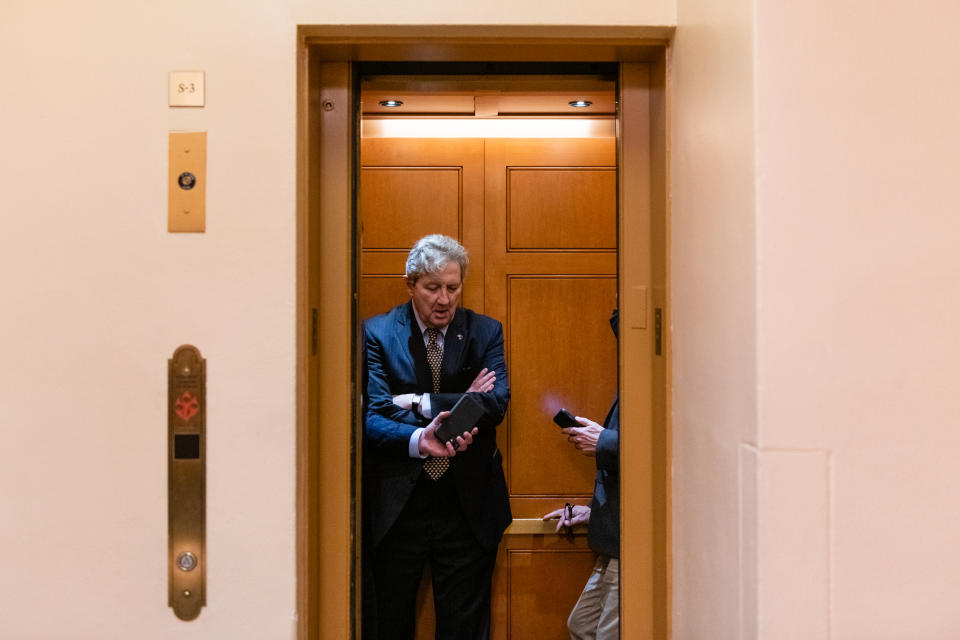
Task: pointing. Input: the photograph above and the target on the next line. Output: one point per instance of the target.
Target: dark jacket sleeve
(495, 401)
(386, 426)
(608, 450)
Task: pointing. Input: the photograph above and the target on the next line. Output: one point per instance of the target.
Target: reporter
(596, 616)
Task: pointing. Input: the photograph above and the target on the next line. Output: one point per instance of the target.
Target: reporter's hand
(429, 445)
(483, 382)
(580, 514)
(584, 438)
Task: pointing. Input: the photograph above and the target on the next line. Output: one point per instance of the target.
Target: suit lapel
(612, 421)
(410, 346)
(453, 345)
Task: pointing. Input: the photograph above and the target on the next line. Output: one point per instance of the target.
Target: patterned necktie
(435, 467)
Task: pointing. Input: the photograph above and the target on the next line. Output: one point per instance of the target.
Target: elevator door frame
(327, 479)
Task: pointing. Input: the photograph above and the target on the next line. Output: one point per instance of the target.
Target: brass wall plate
(186, 481)
(187, 182)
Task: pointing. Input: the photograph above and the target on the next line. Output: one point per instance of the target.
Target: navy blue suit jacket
(395, 362)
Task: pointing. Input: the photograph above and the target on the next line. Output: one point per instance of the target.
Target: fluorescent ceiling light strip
(484, 128)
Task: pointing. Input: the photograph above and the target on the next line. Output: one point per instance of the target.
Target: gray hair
(432, 253)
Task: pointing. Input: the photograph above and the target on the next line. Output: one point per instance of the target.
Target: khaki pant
(596, 616)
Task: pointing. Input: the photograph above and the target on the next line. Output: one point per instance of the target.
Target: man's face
(435, 295)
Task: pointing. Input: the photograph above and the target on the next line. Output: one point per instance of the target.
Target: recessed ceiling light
(391, 103)
(578, 104)
(583, 127)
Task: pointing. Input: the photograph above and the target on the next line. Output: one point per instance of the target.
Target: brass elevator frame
(327, 504)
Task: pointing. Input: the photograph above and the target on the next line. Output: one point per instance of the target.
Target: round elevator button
(187, 180)
(186, 561)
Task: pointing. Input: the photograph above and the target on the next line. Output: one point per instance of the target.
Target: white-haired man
(425, 501)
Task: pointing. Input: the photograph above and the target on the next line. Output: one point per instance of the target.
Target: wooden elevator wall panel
(404, 201)
(381, 293)
(562, 348)
(552, 282)
(506, 269)
(562, 208)
(542, 612)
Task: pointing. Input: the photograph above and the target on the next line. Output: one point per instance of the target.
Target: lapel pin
(459, 336)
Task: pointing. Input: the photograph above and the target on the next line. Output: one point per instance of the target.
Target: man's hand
(584, 438)
(430, 446)
(577, 514)
(483, 382)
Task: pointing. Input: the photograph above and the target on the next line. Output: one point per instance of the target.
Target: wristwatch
(415, 403)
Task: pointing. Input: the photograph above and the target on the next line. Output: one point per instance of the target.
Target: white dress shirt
(414, 447)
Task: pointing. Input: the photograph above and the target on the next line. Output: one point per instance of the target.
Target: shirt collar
(423, 327)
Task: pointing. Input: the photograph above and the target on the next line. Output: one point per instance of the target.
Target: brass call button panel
(187, 188)
(186, 478)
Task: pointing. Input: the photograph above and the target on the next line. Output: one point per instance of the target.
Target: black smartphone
(464, 416)
(565, 419)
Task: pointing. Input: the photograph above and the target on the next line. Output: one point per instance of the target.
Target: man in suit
(426, 501)
(596, 616)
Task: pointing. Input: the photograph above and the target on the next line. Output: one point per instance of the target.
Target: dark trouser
(431, 528)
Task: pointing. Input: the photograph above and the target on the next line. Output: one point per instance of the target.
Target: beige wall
(96, 296)
(824, 363)
(859, 290)
(713, 263)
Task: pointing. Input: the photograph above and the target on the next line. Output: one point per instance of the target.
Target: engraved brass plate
(186, 481)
